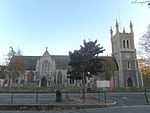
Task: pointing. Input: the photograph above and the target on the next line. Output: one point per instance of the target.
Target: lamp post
(88, 81)
(84, 90)
(83, 83)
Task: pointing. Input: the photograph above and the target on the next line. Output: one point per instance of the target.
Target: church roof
(110, 61)
(46, 53)
(61, 61)
(30, 62)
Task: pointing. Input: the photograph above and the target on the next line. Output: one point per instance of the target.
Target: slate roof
(113, 61)
(61, 61)
(30, 62)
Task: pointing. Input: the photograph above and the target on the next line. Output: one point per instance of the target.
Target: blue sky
(62, 25)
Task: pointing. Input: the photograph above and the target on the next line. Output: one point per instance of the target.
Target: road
(124, 109)
(129, 98)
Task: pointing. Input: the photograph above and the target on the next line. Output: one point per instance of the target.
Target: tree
(144, 47)
(109, 66)
(15, 63)
(11, 54)
(85, 60)
(19, 53)
(3, 71)
(17, 69)
(141, 2)
(8, 56)
(146, 75)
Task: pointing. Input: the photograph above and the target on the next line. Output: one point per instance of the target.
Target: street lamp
(88, 73)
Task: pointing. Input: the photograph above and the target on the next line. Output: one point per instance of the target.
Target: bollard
(58, 96)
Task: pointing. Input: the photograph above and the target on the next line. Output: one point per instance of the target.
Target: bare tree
(141, 2)
(144, 47)
(15, 63)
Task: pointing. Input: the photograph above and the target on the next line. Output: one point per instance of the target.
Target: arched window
(46, 67)
(124, 44)
(128, 65)
(59, 78)
(30, 76)
(15, 77)
(127, 43)
(43, 82)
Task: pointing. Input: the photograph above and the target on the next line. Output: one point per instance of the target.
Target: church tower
(124, 52)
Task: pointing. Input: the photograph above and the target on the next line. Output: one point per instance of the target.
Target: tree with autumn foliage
(109, 67)
(146, 75)
(17, 63)
(85, 61)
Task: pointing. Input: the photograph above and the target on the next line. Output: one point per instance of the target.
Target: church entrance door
(130, 82)
(43, 82)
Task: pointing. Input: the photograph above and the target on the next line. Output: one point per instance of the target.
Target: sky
(62, 25)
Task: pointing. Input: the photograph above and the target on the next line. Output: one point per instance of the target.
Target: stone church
(51, 70)
(46, 70)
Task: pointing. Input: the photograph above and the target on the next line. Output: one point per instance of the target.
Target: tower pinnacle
(131, 27)
(117, 26)
(111, 32)
(124, 30)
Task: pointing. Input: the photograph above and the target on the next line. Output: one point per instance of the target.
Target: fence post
(36, 97)
(99, 95)
(67, 95)
(105, 96)
(94, 94)
(58, 96)
(146, 97)
(12, 97)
